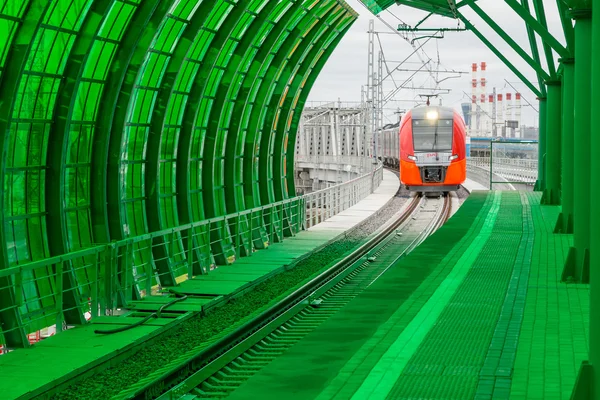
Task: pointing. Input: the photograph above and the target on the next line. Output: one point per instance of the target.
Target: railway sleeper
(226, 383)
(205, 395)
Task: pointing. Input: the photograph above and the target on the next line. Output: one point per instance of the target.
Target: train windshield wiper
(435, 136)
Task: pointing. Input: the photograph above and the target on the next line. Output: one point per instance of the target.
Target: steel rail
(210, 359)
(329, 282)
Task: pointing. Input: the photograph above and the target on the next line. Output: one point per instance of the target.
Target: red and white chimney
(509, 112)
(481, 117)
(491, 114)
(500, 108)
(472, 127)
(518, 110)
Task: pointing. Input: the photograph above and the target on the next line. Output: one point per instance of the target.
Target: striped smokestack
(518, 110)
(481, 117)
(500, 108)
(509, 113)
(491, 114)
(472, 127)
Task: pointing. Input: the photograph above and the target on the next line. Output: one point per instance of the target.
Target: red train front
(433, 150)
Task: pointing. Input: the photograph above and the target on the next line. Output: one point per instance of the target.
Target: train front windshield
(433, 135)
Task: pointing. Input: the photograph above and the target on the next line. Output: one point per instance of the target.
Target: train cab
(432, 150)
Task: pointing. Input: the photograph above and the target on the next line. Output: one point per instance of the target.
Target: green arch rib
(123, 118)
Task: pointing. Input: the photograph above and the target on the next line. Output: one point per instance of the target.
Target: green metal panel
(288, 104)
(257, 113)
(218, 136)
(535, 51)
(270, 159)
(553, 145)
(163, 137)
(298, 102)
(110, 108)
(77, 275)
(127, 22)
(565, 223)
(127, 149)
(15, 48)
(594, 344)
(543, 118)
(140, 144)
(582, 129)
(441, 7)
(271, 37)
(232, 95)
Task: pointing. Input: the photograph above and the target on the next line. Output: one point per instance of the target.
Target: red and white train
(432, 149)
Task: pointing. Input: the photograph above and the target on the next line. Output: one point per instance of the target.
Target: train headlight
(413, 158)
(432, 115)
(454, 157)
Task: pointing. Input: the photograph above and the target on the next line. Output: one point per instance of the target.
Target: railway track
(220, 368)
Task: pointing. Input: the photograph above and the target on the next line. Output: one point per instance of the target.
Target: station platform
(77, 351)
(476, 312)
(471, 185)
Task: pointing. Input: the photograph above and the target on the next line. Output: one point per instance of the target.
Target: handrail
(107, 274)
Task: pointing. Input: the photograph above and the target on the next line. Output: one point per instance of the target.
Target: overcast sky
(346, 70)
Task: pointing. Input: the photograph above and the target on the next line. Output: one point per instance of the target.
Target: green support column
(577, 266)
(553, 160)
(595, 213)
(540, 185)
(565, 220)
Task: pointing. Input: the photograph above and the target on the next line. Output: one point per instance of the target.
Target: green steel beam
(295, 115)
(290, 91)
(222, 151)
(232, 91)
(113, 109)
(76, 274)
(553, 145)
(501, 56)
(541, 17)
(594, 343)
(267, 162)
(577, 265)
(565, 221)
(541, 182)
(284, 91)
(547, 38)
(12, 328)
(240, 127)
(105, 198)
(127, 188)
(534, 48)
(510, 41)
(260, 182)
(105, 163)
(567, 24)
(439, 7)
(161, 206)
(201, 101)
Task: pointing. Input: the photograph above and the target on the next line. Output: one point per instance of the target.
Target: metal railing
(511, 170)
(68, 289)
(357, 163)
(326, 203)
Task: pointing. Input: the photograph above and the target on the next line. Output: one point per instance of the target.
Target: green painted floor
(77, 351)
(476, 312)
